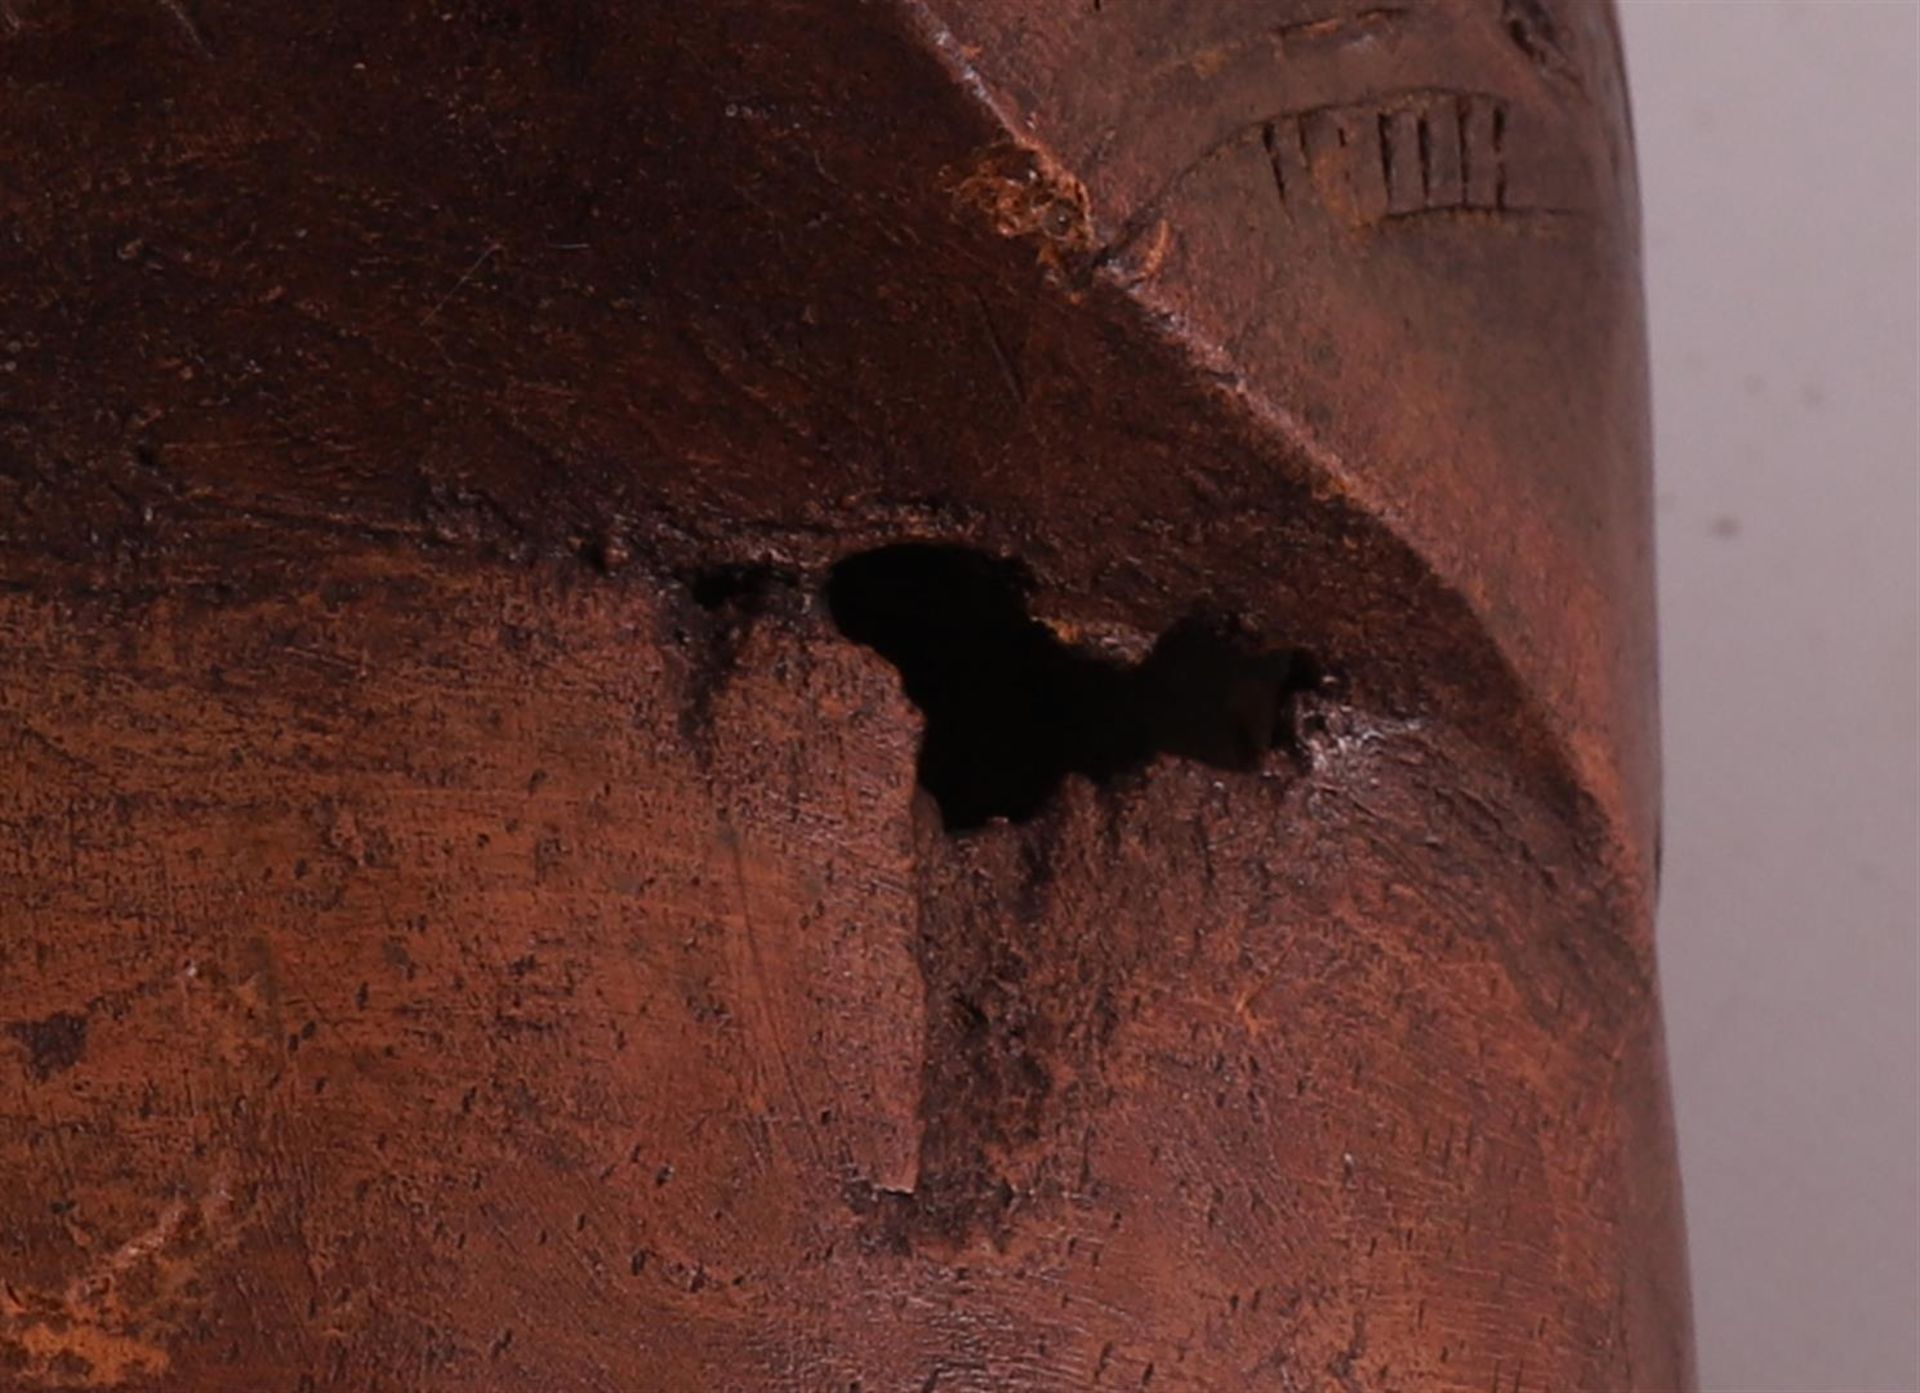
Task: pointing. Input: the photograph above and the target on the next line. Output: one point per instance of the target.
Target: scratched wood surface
(942, 697)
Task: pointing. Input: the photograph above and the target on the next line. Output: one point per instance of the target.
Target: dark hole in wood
(1011, 710)
(716, 587)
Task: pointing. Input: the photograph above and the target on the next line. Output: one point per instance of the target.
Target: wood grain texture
(474, 910)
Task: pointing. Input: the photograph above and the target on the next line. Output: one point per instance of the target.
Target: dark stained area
(53, 1044)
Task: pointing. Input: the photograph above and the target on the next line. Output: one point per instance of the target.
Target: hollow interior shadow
(1011, 710)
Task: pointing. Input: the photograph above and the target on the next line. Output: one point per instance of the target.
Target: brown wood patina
(918, 695)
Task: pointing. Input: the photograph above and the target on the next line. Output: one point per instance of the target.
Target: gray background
(1777, 144)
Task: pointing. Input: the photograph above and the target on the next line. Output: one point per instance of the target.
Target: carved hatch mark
(1405, 154)
(1011, 709)
(1399, 156)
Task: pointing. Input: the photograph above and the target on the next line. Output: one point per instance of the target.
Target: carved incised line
(1339, 27)
(1538, 33)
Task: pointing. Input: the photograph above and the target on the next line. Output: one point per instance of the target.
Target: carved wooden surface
(825, 697)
